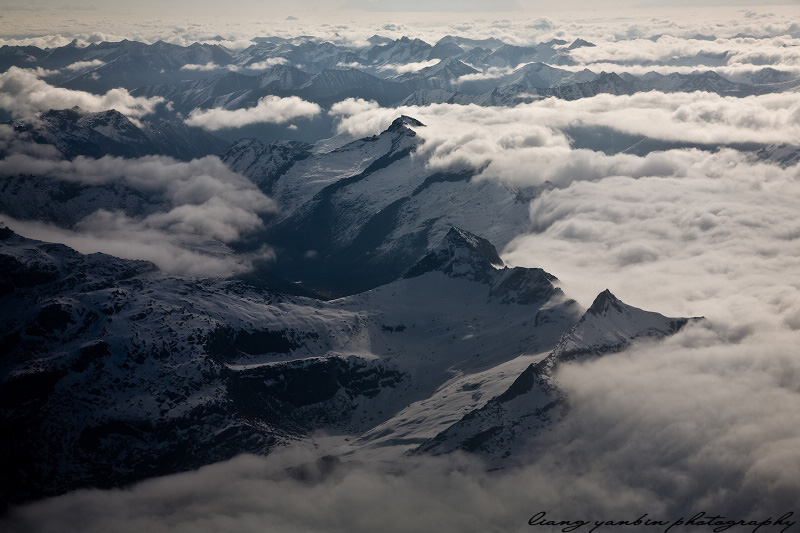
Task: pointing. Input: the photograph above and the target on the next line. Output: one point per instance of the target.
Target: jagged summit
(458, 237)
(443, 50)
(603, 302)
(77, 112)
(449, 66)
(609, 325)
(404, 122)
(580, 43)
(461, 254)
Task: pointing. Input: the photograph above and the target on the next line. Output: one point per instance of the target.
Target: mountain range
(381, 315)
(390, 72)
(114, 371)
(389, 317)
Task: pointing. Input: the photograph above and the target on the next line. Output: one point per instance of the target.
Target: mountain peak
(458, 237)
(460, 254)
(452, 66)
(603, 302)
(610, 325)
(580, 43)
(404, 122)
(72, 113)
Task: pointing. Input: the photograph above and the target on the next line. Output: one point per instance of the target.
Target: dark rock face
(461, 254)
(112, 372)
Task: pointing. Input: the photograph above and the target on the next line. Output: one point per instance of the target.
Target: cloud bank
(84, 65)
(269, 109)
(24, 94)
(700, 117)
(194, 210)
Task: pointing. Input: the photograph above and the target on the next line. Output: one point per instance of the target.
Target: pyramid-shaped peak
(603, 302)
(404, 121)
(460, 254)
(459, 238)
(452, 65)
(610, 325)
(580, 43)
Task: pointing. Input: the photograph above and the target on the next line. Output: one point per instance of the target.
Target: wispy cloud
(84, 65)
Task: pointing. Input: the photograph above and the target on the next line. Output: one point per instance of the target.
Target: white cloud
(268, 63)
(779, 50)
(490, 73)
(269, 109)
(85, 65)
(234, 43)
(353, 106)
(197, 208)
(24, 94)
(202, 68)
(115, 234)
(208, 67)
(403, 68)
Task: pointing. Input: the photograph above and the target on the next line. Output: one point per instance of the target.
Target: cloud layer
(703, 118)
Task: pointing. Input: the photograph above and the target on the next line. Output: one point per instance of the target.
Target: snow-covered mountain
(535, 400)
(132, 64)
(209, 75)
(403, 50)
(358, 216)
(229, 90)
(113, 371)
(511, 56)
(264, 163)
(444, 75)
(77, 132)
(391, 72)
(387, 319)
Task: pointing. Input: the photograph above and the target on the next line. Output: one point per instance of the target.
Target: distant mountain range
(461, 70)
